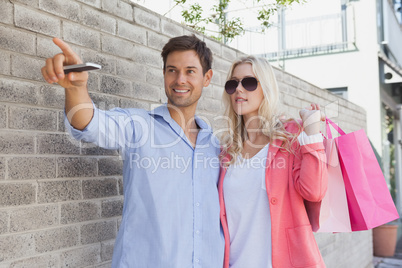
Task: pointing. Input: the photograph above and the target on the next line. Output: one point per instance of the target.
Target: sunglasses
(249, 83)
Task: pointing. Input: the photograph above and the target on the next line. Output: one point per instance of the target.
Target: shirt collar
(163, 111)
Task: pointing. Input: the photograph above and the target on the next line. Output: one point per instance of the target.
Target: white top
(247, 209)
(247, 212)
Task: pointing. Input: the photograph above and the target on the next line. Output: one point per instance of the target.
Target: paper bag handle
(335, 126)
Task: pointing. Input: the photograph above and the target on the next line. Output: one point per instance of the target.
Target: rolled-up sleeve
(113, 129)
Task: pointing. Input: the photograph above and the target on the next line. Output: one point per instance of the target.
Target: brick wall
(61, 200)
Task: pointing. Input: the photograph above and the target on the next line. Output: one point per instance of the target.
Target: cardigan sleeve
(310, 171)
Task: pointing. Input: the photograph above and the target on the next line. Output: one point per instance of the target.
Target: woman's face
(244, 102)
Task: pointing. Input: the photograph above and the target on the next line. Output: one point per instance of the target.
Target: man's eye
(171, 70)
(191, 71)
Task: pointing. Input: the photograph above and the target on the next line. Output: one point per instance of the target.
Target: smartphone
(89, 66)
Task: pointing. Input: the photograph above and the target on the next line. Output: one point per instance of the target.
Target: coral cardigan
(291, 180)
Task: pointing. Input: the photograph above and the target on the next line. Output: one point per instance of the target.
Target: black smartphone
(89, 66)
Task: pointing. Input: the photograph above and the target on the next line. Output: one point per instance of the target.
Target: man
(171, 207)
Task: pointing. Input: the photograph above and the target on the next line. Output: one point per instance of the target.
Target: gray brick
(218, 79)
(97, 232)
(278, 74)
(93, 81)
(130, 70)
(46, 48)
(147, 56)
(56, 191)
(112, 208)
(229, 54)
(6, 12)
(31, 168)
(16, 194)
(163, 96)
(105, 102)
(60, 125)
(107, 62)
(32, 119)
(66, 9)
(32, 20)
(107, 264)
(5, 62)
(3, 116)
(98, 188)
(98, 20)
(147, 19)
(26, 67)
(94, 3)
(132, 32)
(155, 77)
(171, 28)
(54, 239)
(76, 167)
(79, 212)
(18, 92)
(16, 143)
(4, 219)
(92, 149)
(221, 65)
(57, 144)
(146, 91)
(32, 218)
(115, 86)
(51, 96)
(77, 34)
(16, 40)
(156, 40)
(16, 246)
(110, 166)
(44, 261)
(120, 186)
(81, 257)
(107, 251)
(32, 3)
(130, 103)
(118, 8)
(118, 47)
(211, 105)
(213, 45)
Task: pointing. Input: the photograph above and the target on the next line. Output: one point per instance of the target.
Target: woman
(270, 168)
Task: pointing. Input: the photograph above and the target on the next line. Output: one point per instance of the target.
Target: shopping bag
(369, 200)
(334, 212)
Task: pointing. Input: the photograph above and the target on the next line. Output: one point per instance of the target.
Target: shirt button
(197, 232)
(197, 204)
(274, 201)
(197, 260)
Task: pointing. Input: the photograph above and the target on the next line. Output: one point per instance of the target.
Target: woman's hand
(311, 117)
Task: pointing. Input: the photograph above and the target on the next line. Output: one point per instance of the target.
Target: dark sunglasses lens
(249, 83)
(230, 86)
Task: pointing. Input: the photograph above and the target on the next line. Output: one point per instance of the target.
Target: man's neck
(184, 117)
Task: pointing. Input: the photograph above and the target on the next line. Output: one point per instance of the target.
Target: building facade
(353, 49)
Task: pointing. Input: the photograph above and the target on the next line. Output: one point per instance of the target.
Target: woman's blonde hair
(270, 118)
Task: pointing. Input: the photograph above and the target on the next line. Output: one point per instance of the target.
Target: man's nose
(181, 78)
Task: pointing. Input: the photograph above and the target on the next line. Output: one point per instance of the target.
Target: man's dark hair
(189, 42)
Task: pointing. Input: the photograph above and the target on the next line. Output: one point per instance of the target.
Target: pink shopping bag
(369, 200)
(334, 212)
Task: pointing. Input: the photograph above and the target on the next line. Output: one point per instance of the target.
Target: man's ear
(208, 77)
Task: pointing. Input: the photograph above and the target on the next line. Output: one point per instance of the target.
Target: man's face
(184, 78)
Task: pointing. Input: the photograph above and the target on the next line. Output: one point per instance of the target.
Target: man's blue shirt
(171, 205)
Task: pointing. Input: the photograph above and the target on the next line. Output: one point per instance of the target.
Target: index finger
(70, 56)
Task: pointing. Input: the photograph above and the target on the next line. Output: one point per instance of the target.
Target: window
(340, 91)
